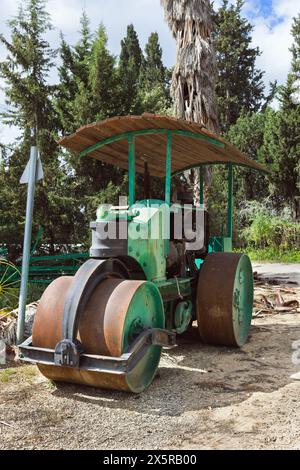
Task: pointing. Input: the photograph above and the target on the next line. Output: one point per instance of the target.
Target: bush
(267, 230)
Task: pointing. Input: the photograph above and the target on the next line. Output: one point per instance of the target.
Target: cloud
(272, 21)
(286, 8)
(274, 44)
(272, 34)
(146, 15)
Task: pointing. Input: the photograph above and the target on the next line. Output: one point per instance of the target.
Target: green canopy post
(230, 200)
(131, 169)
(201, 174)
(168, 168)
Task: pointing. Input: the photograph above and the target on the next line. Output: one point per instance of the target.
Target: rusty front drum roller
(117, 312)
(225, 299)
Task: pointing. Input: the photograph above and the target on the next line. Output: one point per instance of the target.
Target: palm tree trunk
(193, 81)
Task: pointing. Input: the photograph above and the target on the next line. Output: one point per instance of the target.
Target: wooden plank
(186, 150)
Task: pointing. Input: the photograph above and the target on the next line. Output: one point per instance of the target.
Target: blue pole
(27, 243)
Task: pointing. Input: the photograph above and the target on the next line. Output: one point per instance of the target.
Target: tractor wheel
(225, 299)
(117, 311)
(10, 278)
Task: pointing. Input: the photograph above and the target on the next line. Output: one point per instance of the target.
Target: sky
(271, 19)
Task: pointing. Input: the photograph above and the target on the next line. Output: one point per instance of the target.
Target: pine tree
(247, 134)
(130, 62)
(28, 94)
(82, 50)
(153, 70)
(27, 66)
(239, 83)
(102, 77)
(73, 94)
(67, 87)
(154, 89)
(282, 137)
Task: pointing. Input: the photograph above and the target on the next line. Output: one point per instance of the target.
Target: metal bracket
(69, 354)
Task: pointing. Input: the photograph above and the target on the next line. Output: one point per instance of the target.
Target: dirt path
(203, 398)
(286, 272)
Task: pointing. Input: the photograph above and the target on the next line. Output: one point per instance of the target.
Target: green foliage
(72, 95)
(153, 94)
(26, 68)
(282, 137)
(274, 255)
(28, 95)
(247, 134)
(102, 78)
(267, 230)
(93, 84)
(129, 71)
(239, 83)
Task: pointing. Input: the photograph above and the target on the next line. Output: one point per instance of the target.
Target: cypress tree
(73, 97)
(282, 137)
(130, 62)
(154, 88)
(28, 96)
(102, 77)
(239, 83)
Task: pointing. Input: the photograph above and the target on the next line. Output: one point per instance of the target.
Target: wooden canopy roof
(192, 145)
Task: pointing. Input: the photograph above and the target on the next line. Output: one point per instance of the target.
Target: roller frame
(89, 362)
(69, 351)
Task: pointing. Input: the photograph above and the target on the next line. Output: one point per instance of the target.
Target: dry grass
(6, 375)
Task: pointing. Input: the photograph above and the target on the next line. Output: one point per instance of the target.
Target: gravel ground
(204, 397)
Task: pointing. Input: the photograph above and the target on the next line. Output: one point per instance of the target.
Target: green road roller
(154, 267)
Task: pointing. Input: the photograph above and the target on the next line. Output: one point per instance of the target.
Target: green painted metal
(3, 252)
(201, 171)
(131, 168)
(183, 316)
(128, 135)
(175, 288)
(220, 244)
(44, 269)
(194, 135)
(67, 256)
(191, 167)
(145, 311)
(147, 238)
(230, 200)
(37, 240)
(242, 302)
(168, 168)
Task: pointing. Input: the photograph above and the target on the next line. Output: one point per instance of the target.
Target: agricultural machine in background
(106, 326)
(43, 269)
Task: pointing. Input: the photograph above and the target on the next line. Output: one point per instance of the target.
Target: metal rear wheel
(225, 299)
(117, 311)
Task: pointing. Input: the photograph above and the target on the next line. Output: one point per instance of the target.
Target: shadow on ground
(194, 376)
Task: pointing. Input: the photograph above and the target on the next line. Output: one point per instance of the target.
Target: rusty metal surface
(100, 329)
(47, 326)
(214, 301)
